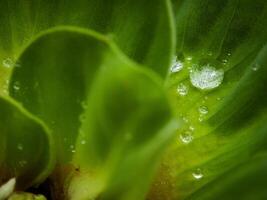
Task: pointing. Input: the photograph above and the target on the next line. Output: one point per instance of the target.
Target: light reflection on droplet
(177, 65)
(186, 137)
(203, 110)
(197, 174)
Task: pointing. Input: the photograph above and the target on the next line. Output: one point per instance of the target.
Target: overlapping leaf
(84, 87)
(27, 149)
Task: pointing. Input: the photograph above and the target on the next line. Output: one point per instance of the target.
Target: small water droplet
(200, 119)
(206, 77)
(224, 61)
(229, 54)
(218, 98)
(16, 86)
(20, 147)
(72, 149)
(203, 110)
(210, 53)
(255, 67)
(22, 163)
(197, 174)
(185, 119)
(182, 89)
(186, 137)
(177, 65)
(83, 142)
(191, 128)
(84, 105)
(8, 63)
(189, 58)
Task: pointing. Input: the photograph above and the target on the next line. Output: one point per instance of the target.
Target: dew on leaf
(83, 142)
(182, 89)
(255, 67)
(203, 110)
(206, 77)
(189, 58)
(22, 163)
(16, 86)
(20, 147)
(186, 137)
(197, 174)
(8, 63)
(177, 65)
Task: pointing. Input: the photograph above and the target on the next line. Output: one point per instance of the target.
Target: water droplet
(16, 86)
(210, 53)
(83, 142)
(72, 149)
(224, 61)
(20, 147)
(22, 163)
(189, 58)
(186, 137)
(197, 174)
(8, 63)
(206, 77)
(203, 110)
(185, 119)
(218, 98)
(229, 54)
(182, 89)
(84, 105)
(177, 65)
(191, 128)
(255, 67)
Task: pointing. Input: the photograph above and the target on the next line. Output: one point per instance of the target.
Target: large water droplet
(186, 137)
(203, 110)
(197, 174)
(20, 147)
(177, 65)
(182, 89)
(206, 77)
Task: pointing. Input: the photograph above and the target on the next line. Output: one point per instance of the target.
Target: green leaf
(219, 93)
(247, 181)
(85, 87)
(142, 29)
(28, 146)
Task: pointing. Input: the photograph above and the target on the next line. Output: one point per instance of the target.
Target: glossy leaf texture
(85, 87)
(220, 95)
(144, 30)
(22, 133)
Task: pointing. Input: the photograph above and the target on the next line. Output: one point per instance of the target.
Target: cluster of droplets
(9, 63)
